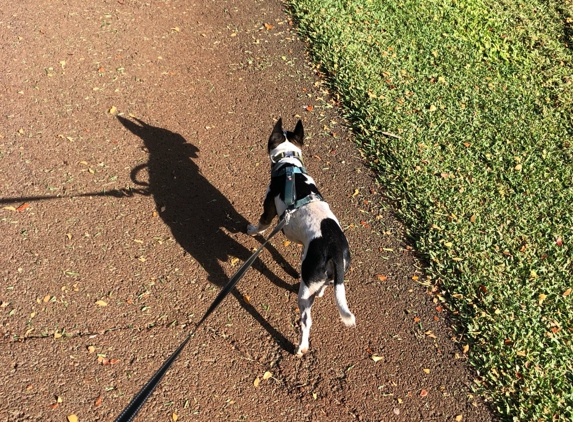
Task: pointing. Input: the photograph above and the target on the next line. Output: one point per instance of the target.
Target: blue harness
(291, 200)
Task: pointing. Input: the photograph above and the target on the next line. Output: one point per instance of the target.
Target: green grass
(480, 94)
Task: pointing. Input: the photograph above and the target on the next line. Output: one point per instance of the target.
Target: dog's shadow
(197, 212)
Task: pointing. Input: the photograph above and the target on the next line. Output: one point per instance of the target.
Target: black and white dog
(311, 223)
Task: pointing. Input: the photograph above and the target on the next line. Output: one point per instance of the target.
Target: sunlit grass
(478, 93)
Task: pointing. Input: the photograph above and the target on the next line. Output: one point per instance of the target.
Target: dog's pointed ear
(277, 136)
(278, 126)
(299, 133)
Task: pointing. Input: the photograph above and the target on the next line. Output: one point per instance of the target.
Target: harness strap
(290, 187)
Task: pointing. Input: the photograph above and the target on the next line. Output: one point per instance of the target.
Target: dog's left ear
(299, 133)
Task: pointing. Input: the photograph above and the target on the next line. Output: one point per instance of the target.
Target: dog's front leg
(269, 212)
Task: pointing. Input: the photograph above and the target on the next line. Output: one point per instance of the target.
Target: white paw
(301, 351)
(252, 230)
(349, 321)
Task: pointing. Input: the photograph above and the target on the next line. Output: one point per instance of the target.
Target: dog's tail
(340, 293)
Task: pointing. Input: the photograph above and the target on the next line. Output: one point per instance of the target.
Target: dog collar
(287, 154)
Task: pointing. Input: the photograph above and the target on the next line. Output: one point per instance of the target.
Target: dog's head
(284, 145)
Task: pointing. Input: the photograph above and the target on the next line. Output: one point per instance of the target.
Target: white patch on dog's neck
(286, 146)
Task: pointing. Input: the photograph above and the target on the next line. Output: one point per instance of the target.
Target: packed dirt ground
(132, 157)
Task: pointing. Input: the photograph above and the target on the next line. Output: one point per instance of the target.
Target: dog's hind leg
(305, 301)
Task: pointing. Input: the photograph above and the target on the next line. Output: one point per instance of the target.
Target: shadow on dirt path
(199, 216)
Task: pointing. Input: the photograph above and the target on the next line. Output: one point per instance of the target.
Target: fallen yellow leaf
(466, 348)
(234, 261)
(286, 242)
(542, 297)
(427, 371)
(112, 110)
(174, 417)
(257, 382)
(459, 418)
(72, 418)
(376, 358)
(91, 349)
(267, 375)
(101, 303)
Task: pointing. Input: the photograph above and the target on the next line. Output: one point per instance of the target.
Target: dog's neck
(285, 153)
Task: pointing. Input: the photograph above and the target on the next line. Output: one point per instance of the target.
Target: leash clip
(288, 213)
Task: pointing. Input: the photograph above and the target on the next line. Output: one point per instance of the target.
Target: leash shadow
(201, 219)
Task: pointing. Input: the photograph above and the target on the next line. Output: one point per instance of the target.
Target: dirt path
(135, 133)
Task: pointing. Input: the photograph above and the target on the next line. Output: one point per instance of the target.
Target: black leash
(140, 398)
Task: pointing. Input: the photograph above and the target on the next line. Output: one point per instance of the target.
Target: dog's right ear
(299, 133)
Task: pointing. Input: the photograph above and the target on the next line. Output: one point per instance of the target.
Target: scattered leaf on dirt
(309, 108)
(98, 401)
(91, 349)
(286, 242)
(430, 334)
(415, 278)
(57, 335)
(356, 191)
(416, 319)
(47, 298)
(427, 371)
(459, 418)
(466, 348)
(113, 110)
(247, 299)
(9, 208)
(72, 418)
(54, 405)
(396, 411)
(234, 261)
(256, 382)
(101, 303)
(174, 417)
(267, 375)
(176, 29)
(423, 393)
(382, 277)
(376, 358)
(22, 207)
(269, 26)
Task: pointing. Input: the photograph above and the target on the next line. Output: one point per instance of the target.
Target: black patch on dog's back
(332, 245)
